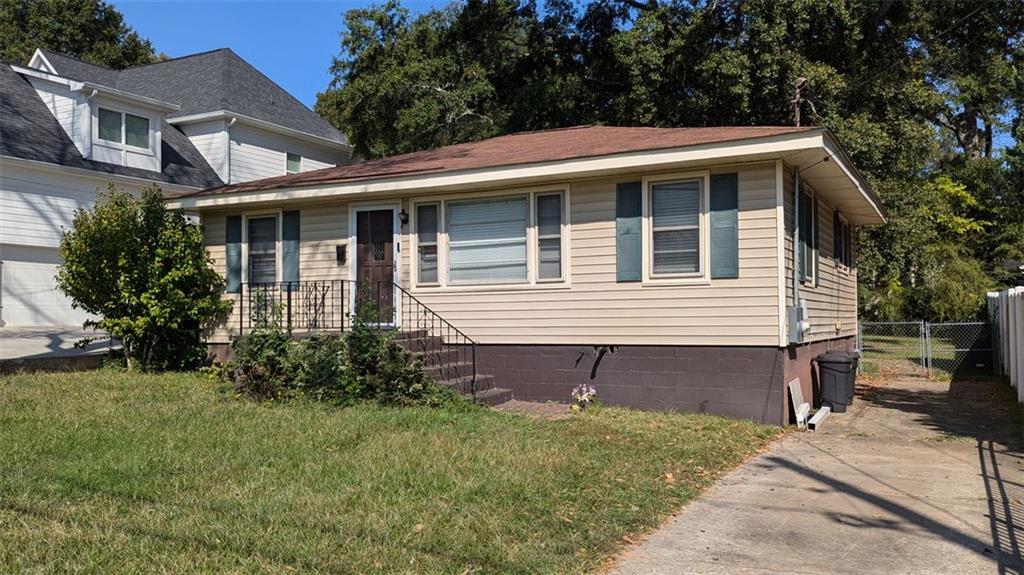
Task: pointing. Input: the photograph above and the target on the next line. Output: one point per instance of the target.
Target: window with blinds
(262, 250)
(549, 236)
(808, 264)
(426, 241)
(487, 241)
(675, 228)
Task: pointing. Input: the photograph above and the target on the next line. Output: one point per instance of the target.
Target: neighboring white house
(68, 128)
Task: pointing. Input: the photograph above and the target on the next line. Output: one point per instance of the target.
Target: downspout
(88, 122)
(227, 152)
(796, 237)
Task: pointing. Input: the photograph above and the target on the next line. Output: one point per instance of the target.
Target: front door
(375, 261)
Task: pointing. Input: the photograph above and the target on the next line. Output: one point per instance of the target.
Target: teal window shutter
(817, 232)
(628, 227)
(290, 246)
(233, 253)
(725, 239)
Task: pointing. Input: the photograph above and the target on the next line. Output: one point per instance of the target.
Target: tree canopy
(924, 94)
(90, 30)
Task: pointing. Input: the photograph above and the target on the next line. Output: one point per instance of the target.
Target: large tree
(91, 30)
(919, 91)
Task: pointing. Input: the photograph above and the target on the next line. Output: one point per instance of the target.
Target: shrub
(260, 362)
(319, 367)
(363, 364)
(143, 270)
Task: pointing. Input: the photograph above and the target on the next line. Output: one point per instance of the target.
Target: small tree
(144, 271)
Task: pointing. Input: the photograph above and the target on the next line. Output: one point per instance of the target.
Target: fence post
(928, 347)
(288, 292)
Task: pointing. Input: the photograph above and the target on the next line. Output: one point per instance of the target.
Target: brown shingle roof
(521, 148)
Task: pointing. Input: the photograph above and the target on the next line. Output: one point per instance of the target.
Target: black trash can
(835, 371)
(855, 356)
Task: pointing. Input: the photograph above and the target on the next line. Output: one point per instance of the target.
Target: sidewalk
(917, 477)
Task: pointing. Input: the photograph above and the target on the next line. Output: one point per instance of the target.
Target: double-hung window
(123, 128)
(426, 242)
(293, 163)
(487, 241)
(675, 227)
(808, 264)
(843, 244)
(515, 239)
(549, 237)
(262, 236)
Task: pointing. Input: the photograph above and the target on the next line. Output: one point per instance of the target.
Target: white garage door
(29, 294)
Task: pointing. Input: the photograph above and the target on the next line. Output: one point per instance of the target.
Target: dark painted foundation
(733, 381)
(745, 382)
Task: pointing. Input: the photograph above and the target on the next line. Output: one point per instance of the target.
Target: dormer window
(293, 164)
(123, 128)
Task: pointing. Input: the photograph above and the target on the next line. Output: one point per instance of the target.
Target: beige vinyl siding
(322, 227)
(257, 154)
(832, 304)
(591, 308)
(596, 309)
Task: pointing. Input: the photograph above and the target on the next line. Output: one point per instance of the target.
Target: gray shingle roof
(205, 82)
(29, 131)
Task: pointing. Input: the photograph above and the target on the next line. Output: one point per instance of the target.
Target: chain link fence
(921, 348)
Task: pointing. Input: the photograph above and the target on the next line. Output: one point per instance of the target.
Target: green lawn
(107, 472)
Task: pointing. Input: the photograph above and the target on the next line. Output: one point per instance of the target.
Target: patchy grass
(111, 472)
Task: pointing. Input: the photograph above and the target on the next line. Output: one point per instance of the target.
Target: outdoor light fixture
(403, 216)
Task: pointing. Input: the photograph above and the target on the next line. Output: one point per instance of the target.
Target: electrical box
(799, 322)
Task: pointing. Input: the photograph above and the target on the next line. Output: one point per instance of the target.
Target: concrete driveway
(917, 477)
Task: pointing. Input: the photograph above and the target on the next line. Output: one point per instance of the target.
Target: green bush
(363, 364)
(144, 271)
(260, 363)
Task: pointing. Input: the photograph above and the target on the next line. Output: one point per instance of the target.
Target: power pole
(798, 87)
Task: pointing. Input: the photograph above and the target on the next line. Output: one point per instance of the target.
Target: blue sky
(291, 42)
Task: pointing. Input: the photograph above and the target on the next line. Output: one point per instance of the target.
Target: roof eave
(255, 122)
(584, 167)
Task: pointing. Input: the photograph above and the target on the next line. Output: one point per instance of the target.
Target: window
(293, 163)
(110, 125)
(123, 128)
(675, 228)
(426, 241)
(843, 241)
(262, 250)
(136, 131)
(808, 264)
(487, 241)
(549, 237)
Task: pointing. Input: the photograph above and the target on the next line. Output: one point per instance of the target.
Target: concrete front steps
(452, 366)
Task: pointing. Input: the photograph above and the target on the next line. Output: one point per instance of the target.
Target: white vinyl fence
(1006, 309)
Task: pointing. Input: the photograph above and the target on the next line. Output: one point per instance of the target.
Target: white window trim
(414, 253)
(286, 170)
(246, 216)
(702, 277)
(562, 229)
(840, 265)
(532, 257)
(123, 145)
(811, 277)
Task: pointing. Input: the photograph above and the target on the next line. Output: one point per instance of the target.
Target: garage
(29, 293)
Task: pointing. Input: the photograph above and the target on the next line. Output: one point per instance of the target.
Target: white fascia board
(142, 101)
(851, 171)
(38, 58)
(42, 75)
(269, 126)
(510, 175)
(116, 178)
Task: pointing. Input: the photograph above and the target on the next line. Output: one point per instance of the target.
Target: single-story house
(696, 269)
(69, 128)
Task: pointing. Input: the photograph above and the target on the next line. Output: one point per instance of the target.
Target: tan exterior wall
(591, 307)
(832, 303)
